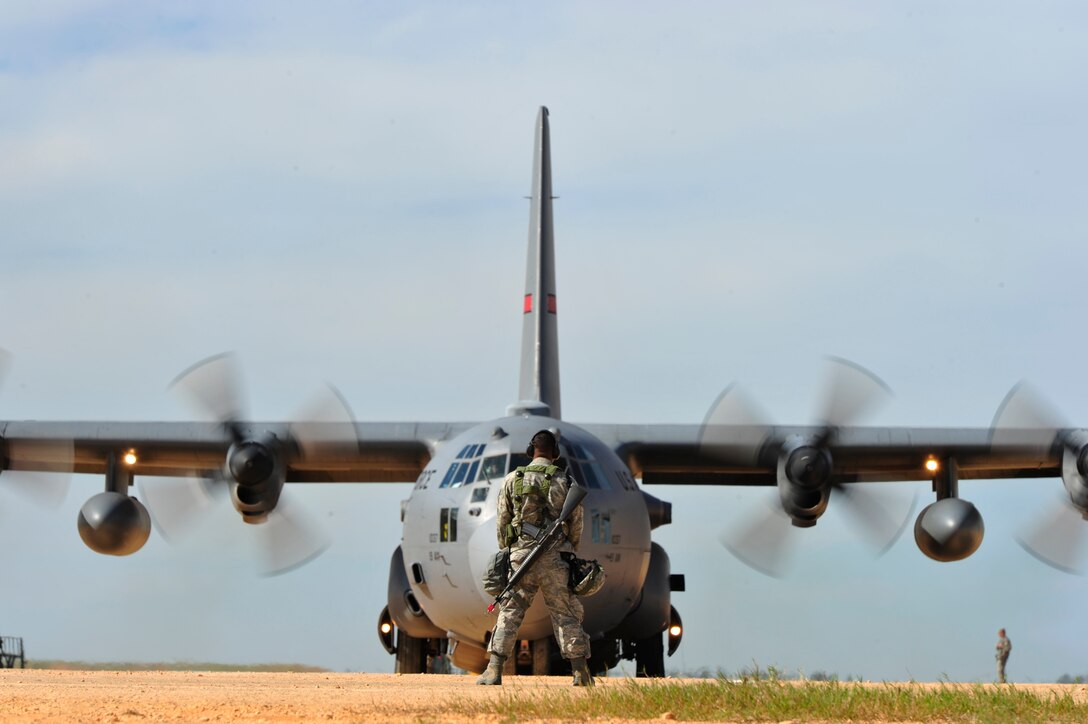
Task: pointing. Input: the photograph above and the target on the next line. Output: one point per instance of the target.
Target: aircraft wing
(807, 463)
(659, 454)
(322, 452)
(748, 455)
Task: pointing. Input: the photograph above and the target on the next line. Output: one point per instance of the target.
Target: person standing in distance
(1004, 646)
(530, 500)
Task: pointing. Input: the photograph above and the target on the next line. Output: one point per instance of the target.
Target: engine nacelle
(257, 472)
(650, 616)
(114, 524)
(950, 529)
(404, 608)
(1075, 470)
(804, 476)
(659, 511)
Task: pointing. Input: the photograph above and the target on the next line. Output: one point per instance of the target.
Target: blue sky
(336, 193)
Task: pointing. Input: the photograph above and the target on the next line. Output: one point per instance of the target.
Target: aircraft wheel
(650, 657)
(437, 655)
(541, 656)
(605, 655)
(411, 654)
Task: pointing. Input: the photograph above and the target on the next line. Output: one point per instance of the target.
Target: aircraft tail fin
(539, 334)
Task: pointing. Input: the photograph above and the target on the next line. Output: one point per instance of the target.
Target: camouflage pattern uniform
(549, 574)
(1004, 647)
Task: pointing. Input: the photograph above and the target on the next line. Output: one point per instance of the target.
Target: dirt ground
(168, 696)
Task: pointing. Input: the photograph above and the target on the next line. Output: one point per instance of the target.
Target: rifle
(575, 493)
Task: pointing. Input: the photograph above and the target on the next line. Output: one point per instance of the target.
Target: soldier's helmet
(543, 440)
(586, 577)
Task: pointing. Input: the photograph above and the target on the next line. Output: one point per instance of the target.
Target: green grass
(760, 700)
(160, 666)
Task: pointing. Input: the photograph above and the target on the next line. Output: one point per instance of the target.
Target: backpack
(530, 499)
(497, 572)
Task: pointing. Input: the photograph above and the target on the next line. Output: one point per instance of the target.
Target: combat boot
(582, 677)
(492, 675)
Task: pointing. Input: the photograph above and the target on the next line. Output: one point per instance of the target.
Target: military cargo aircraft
(436, 603)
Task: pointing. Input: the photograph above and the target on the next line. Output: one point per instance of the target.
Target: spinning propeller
(1027, 420)
(47, 489)
(255, 468)
(737, 431)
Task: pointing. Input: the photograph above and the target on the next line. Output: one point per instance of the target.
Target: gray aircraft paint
(452, 594)
(539, 333)
(617, 526)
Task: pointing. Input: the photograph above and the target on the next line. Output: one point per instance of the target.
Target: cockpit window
(479, 495)
(459, 476)
(594, 477)
(581, 463)
(449, 476)
(461, 473)
(517, 460)
(579, 452)
(494, 468)
(471, 477)
(576, 470)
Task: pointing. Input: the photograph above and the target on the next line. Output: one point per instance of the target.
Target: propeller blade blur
(1026, 418)
(46, 489)
(327, 426)
(735, 428)
(177, 505)
(850, 393)
(764, 542)
(290, 538)
(876, 513)
(1058, 539)
(212, 388)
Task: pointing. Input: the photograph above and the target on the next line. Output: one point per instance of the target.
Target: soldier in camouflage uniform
(532, 498)
(1004, 647)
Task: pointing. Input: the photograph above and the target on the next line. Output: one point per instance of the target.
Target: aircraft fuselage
(449, 527)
